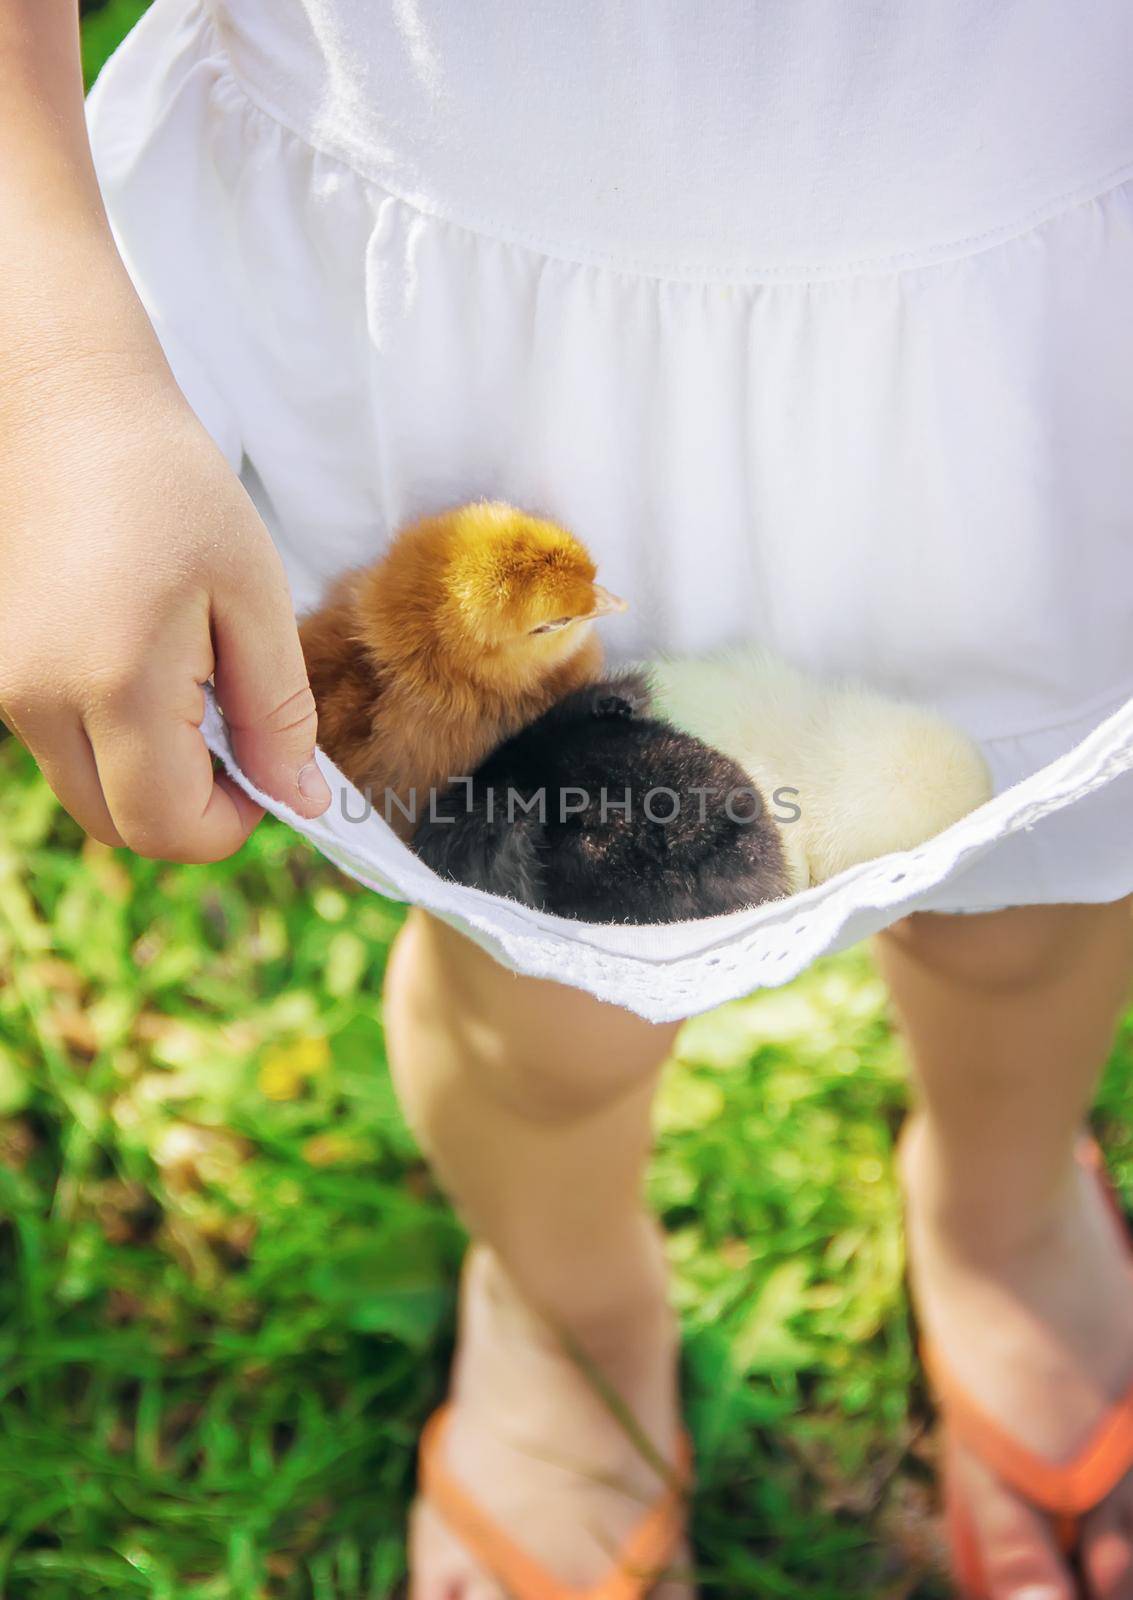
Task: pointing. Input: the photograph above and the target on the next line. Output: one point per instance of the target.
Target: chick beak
(604, 604)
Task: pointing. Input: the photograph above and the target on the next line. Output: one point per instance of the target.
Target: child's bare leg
(532, 1102)
(1018, 1272)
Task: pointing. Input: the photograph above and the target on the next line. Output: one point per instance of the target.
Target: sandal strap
(1067, 1490)
(1064, 1489)
(638, 1565)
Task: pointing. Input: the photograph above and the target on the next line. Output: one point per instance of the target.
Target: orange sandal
(640, 1563)
(1065, 1492)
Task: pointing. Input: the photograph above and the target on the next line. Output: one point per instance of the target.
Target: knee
(1001, 954)
(537, 1049)
(542, 1080)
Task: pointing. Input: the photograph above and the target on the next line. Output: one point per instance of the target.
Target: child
(813, 318)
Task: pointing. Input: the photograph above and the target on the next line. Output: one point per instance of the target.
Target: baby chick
(469, 626)
(869, 774)
(603, 812)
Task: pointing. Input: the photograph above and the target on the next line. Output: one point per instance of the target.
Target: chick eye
(552, 627)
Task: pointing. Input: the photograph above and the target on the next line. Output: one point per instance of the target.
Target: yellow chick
(467, 628)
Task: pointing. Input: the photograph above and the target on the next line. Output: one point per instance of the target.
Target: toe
(441, 1567)
(1020, 1555)
(1107, 1548)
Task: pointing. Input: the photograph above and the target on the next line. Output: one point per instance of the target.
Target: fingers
(132, 772)
(132, 767)
(63, 754)
(119, 738)
(162, 793)
(261, 683)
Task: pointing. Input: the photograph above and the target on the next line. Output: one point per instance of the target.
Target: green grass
(226, 1279)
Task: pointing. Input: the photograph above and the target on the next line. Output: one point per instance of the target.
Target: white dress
(813, 318)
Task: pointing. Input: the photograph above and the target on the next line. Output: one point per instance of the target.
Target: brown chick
(469, 626)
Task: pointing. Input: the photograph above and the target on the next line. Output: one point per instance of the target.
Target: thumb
(261, 684)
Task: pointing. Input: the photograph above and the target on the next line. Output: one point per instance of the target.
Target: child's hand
(132, 564)
(132, 567)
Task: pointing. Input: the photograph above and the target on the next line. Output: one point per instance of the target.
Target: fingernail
(312, 784)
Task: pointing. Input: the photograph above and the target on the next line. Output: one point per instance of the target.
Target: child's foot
(1035, 1318)
(540, 1451)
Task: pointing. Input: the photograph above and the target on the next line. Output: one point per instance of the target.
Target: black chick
(545, 820)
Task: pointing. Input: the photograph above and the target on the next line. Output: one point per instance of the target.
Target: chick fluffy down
(869, 774)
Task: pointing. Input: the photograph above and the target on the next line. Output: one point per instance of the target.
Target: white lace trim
(663, 973)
